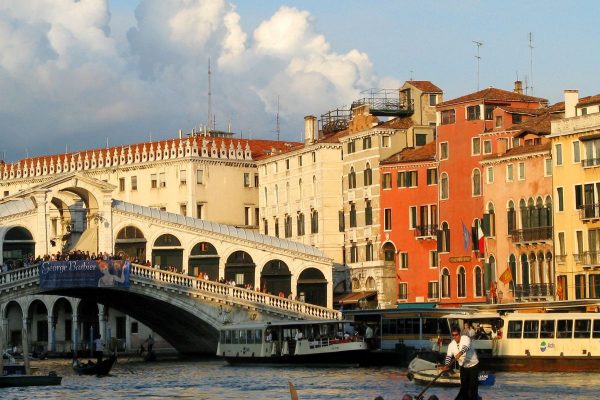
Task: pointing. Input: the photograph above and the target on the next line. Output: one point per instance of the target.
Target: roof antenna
(209, 98)
(277, 126)
(478, 44)
(411, 74)
(531, 61)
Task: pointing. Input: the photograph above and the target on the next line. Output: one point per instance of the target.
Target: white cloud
(65, 77)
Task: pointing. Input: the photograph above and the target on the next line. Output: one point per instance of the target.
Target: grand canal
(215, 380)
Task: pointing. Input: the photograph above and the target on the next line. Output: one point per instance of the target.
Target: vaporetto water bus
(322, 342)
(544, 336)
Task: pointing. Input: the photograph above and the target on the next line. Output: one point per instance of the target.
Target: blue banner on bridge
(84, 273)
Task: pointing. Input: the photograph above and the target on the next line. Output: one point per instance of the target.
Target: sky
(81, 74)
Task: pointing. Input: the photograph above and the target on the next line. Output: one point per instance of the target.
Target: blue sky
(75, 75)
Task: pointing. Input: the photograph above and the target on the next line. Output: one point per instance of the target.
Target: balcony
(591, 259)
(590, 162)
(589, 212)
(425, 231)
(528, 235)
(536, 291)
(561, 258)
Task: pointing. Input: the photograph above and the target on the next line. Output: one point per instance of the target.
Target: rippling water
(217, 380)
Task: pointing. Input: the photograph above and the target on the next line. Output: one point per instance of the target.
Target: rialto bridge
(267, 277)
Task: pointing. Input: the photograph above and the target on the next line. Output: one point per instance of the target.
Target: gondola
(100, 369)
(424, 372)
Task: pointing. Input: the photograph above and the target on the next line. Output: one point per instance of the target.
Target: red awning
(354, 297)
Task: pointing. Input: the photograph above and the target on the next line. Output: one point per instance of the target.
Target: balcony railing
(534, 291)
(592, 258)
(426, 230)
(578, 258)
(561, 258)
(589, 212)
(590, 162)
(532, 234)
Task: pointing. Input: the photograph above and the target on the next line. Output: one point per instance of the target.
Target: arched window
(444, 238)
(489, 273)
(355, 284)
(300, 189)
(548, 211)
(462, 282)
(352, 179)
(300, 224)
(445, 283)
(314, 186)
(287, 222)
(276, 227)
(511, 217)
(370, 284)
(476, 183)
(524, 271)
(368, 175)
(512, 264)
(314, 222)
(389, 252)
(492, 219)
(352, 215)
(524, 214)
(287, 192)
(444, 189)
(368, 213)
(369, 251)
(276, 195)
(478, 282)
(539, 214)
(266, 197)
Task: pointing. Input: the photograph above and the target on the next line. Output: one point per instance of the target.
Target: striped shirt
(468, 358)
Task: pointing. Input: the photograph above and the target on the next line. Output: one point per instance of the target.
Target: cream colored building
(369, 141)
(576, 185)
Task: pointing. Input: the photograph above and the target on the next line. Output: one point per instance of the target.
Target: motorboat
(304, 342)
(15, 375)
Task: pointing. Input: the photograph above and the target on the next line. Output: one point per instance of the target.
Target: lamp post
(500, 294)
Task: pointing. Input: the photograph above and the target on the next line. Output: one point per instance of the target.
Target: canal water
(214, 379)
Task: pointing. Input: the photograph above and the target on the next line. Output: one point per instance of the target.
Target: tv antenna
(277, 127)
(210, 119)
(478, 44)
(531, 61)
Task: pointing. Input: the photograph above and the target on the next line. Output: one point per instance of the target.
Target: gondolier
(461, 350)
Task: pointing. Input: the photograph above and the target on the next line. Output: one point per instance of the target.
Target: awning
(354, 297)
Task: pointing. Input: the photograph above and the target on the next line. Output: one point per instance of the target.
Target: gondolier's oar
(420, 395)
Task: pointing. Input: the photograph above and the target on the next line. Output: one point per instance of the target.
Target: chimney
(180, 134)
(518, 87)
(310, 122)
(571, 100)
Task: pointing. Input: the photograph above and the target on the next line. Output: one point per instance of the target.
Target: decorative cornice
(523, 156)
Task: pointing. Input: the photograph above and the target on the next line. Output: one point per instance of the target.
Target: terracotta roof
(410, 154)
(425, 86)
(397, 123)
(521, 110)
(539, 125)
(334, 137)
(584, 101)
(493, 94)
(515, 151)
(557, 108)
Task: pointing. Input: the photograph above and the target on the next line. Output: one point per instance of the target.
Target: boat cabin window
(596, 331)
(530, 329)
(514, 329)
(401, 326)
(241, 336)
(547, 329)
(564, 329)
(435, 326)
(582, 328)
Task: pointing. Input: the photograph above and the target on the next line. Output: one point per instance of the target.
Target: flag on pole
(480, 239)
(466, 237)
(506, 276)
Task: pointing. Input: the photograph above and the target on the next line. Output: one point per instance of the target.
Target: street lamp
(500, 294)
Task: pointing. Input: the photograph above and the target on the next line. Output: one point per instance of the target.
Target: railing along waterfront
(219, 291)
(532, 234)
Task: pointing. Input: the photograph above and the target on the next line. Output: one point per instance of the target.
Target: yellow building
(576, 186)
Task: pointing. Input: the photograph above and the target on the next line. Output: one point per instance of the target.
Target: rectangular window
(432, 290)
(412, 179)
(448, 117)
(134, 327)
(403, 291)
(387, 180)
(548, 167)
(387, 225)
(255, 180)
(473, 113)
(490, 174)
(558, 153)
(350, 147)
(134, 183)
(517, 118)
(561, 203)
(420, 139)
(153, 181)
(247, 179)
(386, 141)
(576, 153)
(199, 177)
(341, 221)
(564, 329)
(367, 142)
(403, 260)
(475, 146)
(547, 329)
(299, 161)
(509, 173)
(121, 184)
(487, 147)
(162, 180)
(444, 151)
(401, 179)
(287, 164)
(432, 100)
(489, 113)
(561, 244)
(412, 217)
(521, 171)
(432, 178)
(433, 259)
(514, 329)
(498, 121)
(199, 214)
(578, 196)
(582, 328)
(182, 177)
(183, 209)
(530, 329)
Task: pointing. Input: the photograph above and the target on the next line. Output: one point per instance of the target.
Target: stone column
(105, 239)
(75, 332)
(51, 333)
(25, 342)
(127, 333)
(42, 239)
(3, 324)
(102, 322)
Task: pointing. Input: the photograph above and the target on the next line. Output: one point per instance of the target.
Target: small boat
(423, 372)
(14, 375)
(100, 369)
(305, 342)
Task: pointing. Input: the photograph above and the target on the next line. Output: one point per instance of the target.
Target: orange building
(461, 123)
(409, 194)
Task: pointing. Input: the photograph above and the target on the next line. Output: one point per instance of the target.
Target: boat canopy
(472, 316)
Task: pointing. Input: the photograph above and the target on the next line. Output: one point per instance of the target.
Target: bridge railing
(234, 292)
(21, 275)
